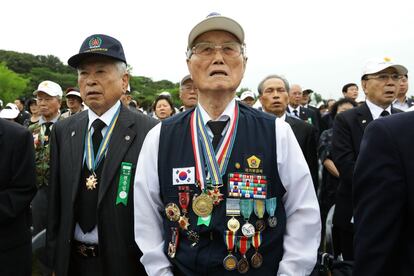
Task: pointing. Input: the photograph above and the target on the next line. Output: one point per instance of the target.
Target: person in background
(34, 111)
(10, 112)
(380, 80)
(350, 91)
(402, 102)
(188, 94)
(163, 107)
(248, 98)
(17, 188)
(73, 102)
(23, 114)
(188, 221)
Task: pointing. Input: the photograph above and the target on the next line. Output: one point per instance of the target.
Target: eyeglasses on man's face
(206, 49)
(385, 77)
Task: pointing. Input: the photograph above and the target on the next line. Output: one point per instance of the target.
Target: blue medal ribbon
(271, 205)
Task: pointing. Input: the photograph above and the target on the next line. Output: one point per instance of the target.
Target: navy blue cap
(98, 44)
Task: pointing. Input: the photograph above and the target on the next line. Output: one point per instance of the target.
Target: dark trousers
(39, 210)
(343, 243)
(84, 266)
(16, 261)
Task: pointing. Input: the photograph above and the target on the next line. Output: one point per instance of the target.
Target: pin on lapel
(364, 121)
(127, 138)
(73, 133)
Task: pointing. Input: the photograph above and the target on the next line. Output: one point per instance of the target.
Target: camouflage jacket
(42, 154)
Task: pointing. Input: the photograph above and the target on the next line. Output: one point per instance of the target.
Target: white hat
(214, 22)
(378, 64)
(49, 87)
(165, 93)
(247, 94)
(73, 93)
(11, 111)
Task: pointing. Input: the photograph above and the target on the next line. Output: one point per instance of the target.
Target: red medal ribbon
(184, 197)
(243, 245)
(257, 240)
(229, 240)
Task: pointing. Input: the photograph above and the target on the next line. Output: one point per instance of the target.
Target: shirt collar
(228, 113)
(291, 108)
(106, 117)
(376, 110)
(54, 120)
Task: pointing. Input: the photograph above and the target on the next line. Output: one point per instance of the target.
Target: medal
(259, 210)
(202, 205)
(243, 264)
(91, 182)
(233, 209)
(271, 205)
(184, 200)
(230, 261)
(215, 195)
(257, 258)
(172, 211)
(246, 207)
(233, 224)
(173, 244)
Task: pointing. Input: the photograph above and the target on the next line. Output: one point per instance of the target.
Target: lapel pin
(127, 138)
(364, 121)
(73, 133)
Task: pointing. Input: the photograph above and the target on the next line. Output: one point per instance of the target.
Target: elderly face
(351, 92)
(218, 72)
(295, 95)
(48, 105)
(274, 97)
(380, 92)
(74, 103)
(163, 109)
(188, 94)
(101, 83)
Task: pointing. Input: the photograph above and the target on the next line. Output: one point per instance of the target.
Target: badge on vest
(123, 184)
(183, 176)
(253, 164)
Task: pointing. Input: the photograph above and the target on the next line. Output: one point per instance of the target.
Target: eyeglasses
(385, 77)
(206, 49)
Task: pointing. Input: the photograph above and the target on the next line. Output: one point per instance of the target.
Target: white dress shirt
(303, 226)
(376, 110)
(92, 237)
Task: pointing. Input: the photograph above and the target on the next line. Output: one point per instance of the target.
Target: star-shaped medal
(183, 222)
(91, 182)
(216, 196)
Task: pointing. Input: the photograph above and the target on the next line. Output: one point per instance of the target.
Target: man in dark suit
(297, 110)
(382, 194)
(273, 95)
(17, 188)
(91, 223)
(380, 81)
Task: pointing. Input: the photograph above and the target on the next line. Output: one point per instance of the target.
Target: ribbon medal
(271, 205)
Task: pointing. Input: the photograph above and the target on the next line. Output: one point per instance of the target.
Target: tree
(12, 85)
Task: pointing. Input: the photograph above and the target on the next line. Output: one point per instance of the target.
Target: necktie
(384, 113)
(217, 128)
(295, 112)
(47, 132)
(88, 199)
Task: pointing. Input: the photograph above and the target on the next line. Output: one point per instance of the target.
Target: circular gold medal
(233, 224)
(256, 260)
(230, 262)
(202, 205)
(248, 230)
(172, 211)
(243, 266)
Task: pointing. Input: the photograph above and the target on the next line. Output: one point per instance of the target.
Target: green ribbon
(246, 207)
(124, 182)
(204, 220)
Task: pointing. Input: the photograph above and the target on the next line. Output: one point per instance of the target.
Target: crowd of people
(221, 185)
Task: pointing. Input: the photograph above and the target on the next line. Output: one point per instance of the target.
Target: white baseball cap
(49, 87)
(378, 64)
(247, 94)
(73, 93)
(11, 111)
(216, 22)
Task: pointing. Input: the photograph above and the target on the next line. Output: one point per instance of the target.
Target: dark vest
(255, 136)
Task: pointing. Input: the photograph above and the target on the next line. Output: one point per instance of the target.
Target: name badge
(124, 182)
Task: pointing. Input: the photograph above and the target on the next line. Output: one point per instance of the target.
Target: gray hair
(120, 65)
(285, 81)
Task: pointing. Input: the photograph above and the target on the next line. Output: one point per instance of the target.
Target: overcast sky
(318, 44)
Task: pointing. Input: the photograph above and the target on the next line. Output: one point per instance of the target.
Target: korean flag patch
(183, 176)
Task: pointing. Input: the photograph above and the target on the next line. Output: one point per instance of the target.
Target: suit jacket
(348, 130)
(17, 185)
(117, 248)
(305, 135)
(383, 198)
(309, 116)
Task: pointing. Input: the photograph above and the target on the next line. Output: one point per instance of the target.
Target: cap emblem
(95, 42)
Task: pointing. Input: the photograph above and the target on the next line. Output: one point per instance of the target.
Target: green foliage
(12, 85)
(317, 97)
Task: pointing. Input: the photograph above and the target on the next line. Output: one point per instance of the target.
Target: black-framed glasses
(207, 49)
(385, 77)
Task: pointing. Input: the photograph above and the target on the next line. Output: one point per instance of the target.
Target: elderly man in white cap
(49, 97)
(248, 98)
(224, 188)
(380, 80)
(73, 102)
(188, 94)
